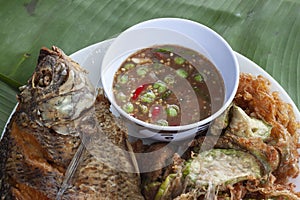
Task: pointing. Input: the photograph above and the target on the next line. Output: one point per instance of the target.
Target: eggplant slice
(243, 164)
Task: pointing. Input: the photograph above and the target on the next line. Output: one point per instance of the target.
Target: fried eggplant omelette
(250, 152)
(62, 142)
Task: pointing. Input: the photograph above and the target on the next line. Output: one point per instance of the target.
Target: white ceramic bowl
(174, 31)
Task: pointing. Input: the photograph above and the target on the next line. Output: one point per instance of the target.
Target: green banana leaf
(265, 31)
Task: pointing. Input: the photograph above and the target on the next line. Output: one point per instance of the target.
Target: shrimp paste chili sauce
(168, 85)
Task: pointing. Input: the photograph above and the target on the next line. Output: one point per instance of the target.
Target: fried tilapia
(62, 141)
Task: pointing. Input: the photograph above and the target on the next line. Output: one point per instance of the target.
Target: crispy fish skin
(42, 138)
(111, 183)
(26, 169)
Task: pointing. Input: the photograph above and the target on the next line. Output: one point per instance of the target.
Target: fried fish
(62, 141)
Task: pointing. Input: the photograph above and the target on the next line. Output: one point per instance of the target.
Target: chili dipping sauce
(168, 85)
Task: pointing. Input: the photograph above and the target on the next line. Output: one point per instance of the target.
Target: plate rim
(241, 58)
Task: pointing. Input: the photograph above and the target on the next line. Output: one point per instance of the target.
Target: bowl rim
(194, 125)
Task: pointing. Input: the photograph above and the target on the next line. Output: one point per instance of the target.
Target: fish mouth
(52, 69)
(42, 78)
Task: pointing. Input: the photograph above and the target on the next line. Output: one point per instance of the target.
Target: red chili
(158, 55)
(138, 91)
(155, 111)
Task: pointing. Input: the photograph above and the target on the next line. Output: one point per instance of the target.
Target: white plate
(91, 58)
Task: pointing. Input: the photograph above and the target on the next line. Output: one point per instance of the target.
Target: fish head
(57, 93)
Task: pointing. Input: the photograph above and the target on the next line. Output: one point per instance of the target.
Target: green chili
(123, 78)
(160, 86)
(142, 70)
(198, 78)
(172, 110)
(162, 122)
(143, 109)
(169, 79)
(129, 66)
(164, 50)
(148, 97)
(128, 107)
(182, 73)
(179, 60)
